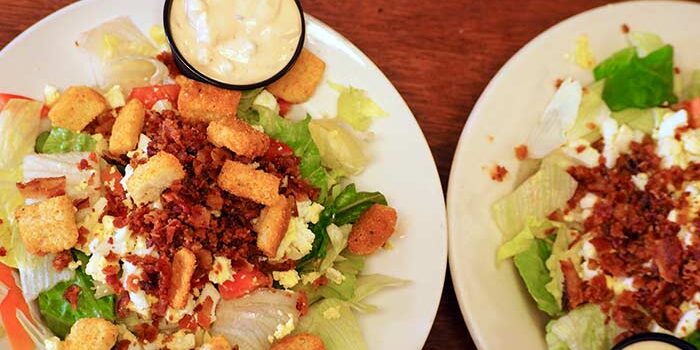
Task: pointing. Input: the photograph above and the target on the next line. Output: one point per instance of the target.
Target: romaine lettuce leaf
(356, 108)
(340, 150)
(61, 140)
(535, 228)
(19, 127)
(634, 82)
(335, 323)
(584, 328)
(546, 191)
(531, 266)
(350, 204)
(58, 312)
(297, 136)
(694, 338)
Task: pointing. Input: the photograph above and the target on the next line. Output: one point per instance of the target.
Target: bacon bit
(1, 222)
(302, 303)
(676, 70)
(81, 203)
(498, 173)
(43, 188)
(320, 282)
(625, 28)
(558, 82)
(284, 106)
(146, 332)
(122, 306)
(167, 59)
(573, 286)
(188, 322)
(597, 290)
(62, 260)
(521, 152)
(490, 138)
(203, 313)
(3, 252)
(113, 281)
(84, 165)
(580, 148)
(133, 283)
(71, 295)
(668, 256)
(92, 156)
(122, 345)
(83, 233)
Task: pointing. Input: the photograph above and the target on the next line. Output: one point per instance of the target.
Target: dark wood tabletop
(439, 54)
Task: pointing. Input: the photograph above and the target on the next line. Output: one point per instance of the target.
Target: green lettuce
(245, 106)
(367, 285)
(350, 204)
(61, 140)
(643, 120)
(19, 127)
(535, 228)
(350, 268)
(592, 106)
(546, 191)
(637, 82)
(356, 108)
(692, 89)
(561, 251)
(58, 312)
(694, 338)
(335, 323)
(339, 149)
(531, 266)
(297, 136)
(645, 43)
(584, 328)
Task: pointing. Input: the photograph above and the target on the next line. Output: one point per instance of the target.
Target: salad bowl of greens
(565, 232)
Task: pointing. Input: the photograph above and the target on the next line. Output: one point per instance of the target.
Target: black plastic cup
(656, 337)
(189, 71)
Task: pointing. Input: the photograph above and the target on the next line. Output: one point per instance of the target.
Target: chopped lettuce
(10, 199)
(643, 120)
(245, 106)
(531, 266)
(36, 273)
(297, 136)
(37, 166)
(338, 241)
(694, 338)
(335, 323)
(561, 251)
(367, 285)
(19, 127)
(350, 204)
(584, 328)
(692, 89)
(546, 191)
(350, 267)
(559, 116)
(58, 312)
(590, 110)
(535, 228)
(61, 140)
(637, 82)
(340, 150)
(645, 43)
(356, 108)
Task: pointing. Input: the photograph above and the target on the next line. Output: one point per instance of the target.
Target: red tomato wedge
(4, 98)
(243, 282)
(278, 149)
(8, 310)
(149, 95)
(284, 106)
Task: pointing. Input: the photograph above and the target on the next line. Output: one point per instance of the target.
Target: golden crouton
(216, 343)
(91, 334)
(200, 102)
(244, 181)
(184, 262)
(238, 136)
(272, 225)
(372, 229)
(151, 179)
(301, 341)
(127, 128)
(48, 226)
(299, 84)
(77, 107)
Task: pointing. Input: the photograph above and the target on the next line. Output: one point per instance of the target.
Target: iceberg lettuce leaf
(339, 332)
(584, 328)
(535, 228)
(645, 43)
(339, 149)
(531, 266)
(559, 116)
(19, 127)
(692, 89)
(356, 108)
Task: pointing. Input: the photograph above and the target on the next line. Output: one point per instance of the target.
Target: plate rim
(441, 261)
(457, 274)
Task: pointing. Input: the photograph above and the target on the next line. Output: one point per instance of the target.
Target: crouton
(272, 225)
(151, 179)
(200, 102)
(301, 341)
(127, 128)
(299, 84)
(77, 107)
(184, 263)
(48, 226)
(91, 334)
(216, 343)
(372, 229)
(238, 136)
(244, 181)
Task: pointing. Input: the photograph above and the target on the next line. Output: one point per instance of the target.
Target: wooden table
(439, 54)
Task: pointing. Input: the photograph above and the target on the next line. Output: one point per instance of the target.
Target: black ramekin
(659, 337)
(188, 69)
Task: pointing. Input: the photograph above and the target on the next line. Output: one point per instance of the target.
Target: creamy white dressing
(236, 41)
(651, 345)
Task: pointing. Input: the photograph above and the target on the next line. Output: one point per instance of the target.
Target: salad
(603, 225)
(154, 211)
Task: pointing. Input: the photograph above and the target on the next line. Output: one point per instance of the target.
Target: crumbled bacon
(71, 295)
(521, 152)
(302, 303)
(3, 252)
(573, 286)
(203, 313)
(62, 260)
(167, 59)
(122, 304)
(498, 173)
(122, 345)
(146, 332)
(43, 188)
(188, 322)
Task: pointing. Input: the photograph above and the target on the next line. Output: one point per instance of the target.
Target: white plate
(495, 305)
(402, 167)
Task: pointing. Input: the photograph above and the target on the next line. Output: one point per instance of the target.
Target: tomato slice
(243, 282)
(278, 149)
(4, 98)
(284, 106)
(149, 95)
(8, 311)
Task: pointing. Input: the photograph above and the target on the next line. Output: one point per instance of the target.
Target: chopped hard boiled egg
(297, 242)
(583, 55)
(288, 279)
(221, 270)
(115, 97)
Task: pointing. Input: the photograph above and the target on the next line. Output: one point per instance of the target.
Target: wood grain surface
(439, 54)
